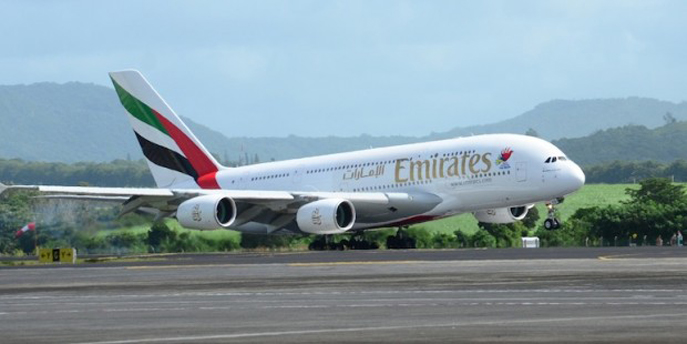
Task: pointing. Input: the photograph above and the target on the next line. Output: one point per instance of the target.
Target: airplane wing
(274, 209)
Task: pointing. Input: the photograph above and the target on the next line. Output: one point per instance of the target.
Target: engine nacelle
(328, 216)
(502, 215)
(207, 212)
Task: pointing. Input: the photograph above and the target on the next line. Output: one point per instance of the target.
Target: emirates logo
(196, 214)
(316, 217)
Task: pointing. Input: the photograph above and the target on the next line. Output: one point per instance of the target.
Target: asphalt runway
(537, 295)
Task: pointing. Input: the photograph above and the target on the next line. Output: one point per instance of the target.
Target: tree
(158, 234)
(15, 212)
(669, 118)
(659, 190)
(482, 238)
(505, 235)
(532, 132)
(531, 219)
(657, 208)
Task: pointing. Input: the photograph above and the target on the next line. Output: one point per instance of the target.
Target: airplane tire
(391, 243)
(549, 224)
(316, 246)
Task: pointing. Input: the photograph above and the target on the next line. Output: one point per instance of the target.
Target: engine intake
(207, 212)
(502, 215)
(328, 216)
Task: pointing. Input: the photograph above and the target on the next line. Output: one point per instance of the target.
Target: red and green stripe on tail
(194, 162)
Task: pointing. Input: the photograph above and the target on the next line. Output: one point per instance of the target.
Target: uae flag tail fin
(31, 226)
(175, 156)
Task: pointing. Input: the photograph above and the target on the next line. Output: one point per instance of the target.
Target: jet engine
(207, 212)
(328, 216)
(502, 215)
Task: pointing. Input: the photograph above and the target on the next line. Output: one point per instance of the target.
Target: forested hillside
(63, 122)
(629, 143)
(558, 119)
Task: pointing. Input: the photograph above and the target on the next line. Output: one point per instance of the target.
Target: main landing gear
(401, 240)
(552, 221)
(355, 242)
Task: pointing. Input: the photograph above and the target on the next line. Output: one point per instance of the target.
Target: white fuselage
(469, 174)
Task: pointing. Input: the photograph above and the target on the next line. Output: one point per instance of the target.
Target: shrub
(482, 238)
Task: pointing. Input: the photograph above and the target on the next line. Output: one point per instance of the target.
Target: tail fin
(174, 154)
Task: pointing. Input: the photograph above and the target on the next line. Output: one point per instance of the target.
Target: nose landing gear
(552, 222)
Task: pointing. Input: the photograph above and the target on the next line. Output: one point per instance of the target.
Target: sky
(346, 68)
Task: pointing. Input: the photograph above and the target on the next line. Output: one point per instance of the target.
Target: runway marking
(383, 328)
(180, 266)
(12, 298)
(615, 257)
(345, 306)
(381, 262)
(191, 266)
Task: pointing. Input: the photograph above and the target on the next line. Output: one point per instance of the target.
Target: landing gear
(355, 242)
(400, 241)
(323, 243)
(552, 222)
(358, 242)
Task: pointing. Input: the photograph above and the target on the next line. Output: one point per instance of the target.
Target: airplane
(496, 177)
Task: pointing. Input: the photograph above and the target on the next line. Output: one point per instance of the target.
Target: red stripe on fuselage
(201, 163)
(208, 181)
(413, 220)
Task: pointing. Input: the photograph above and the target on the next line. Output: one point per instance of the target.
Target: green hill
(629, 143)
(63, 122)
(558, 119)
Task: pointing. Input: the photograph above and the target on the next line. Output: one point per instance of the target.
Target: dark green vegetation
(118, 173)
(632, 171)
(84, 122)
(654, 208)
(658, 209)
(629, 143)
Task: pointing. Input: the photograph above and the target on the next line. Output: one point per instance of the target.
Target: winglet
(3, 188)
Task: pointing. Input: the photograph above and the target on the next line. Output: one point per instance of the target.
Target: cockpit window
(553, 159)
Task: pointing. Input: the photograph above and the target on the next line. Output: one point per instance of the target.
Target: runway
(569, 295)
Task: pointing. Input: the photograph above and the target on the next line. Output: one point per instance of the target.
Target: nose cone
(575, 178)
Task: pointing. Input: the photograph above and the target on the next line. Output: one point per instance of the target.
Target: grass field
(173, 224)
(590, 195)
